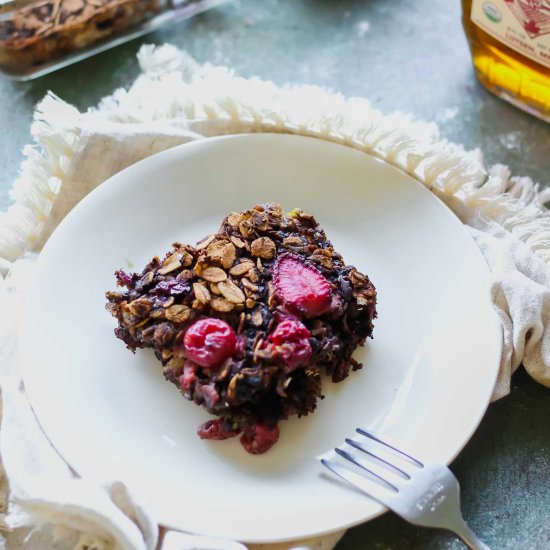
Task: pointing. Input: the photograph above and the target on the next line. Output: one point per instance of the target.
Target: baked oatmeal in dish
(246, 321)
(47, 29)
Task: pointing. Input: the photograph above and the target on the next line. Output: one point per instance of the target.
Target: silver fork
(421, 493)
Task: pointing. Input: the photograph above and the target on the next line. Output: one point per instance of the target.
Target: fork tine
(375, 438)
(365, 485)
(372, 469)
(394, 469)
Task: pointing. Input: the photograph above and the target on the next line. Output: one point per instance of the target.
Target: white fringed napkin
(174, 101)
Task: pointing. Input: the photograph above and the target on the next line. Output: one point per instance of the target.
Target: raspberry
(208, 342)
(301, 288)
(259, 438)
(291, 341)
(216, 429)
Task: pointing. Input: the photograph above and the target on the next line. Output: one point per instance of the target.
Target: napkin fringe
(55, 133)
(190, 95)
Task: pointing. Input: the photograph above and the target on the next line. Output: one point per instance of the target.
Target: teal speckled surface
(402, 55)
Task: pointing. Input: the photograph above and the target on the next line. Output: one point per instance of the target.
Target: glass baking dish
(41, 36)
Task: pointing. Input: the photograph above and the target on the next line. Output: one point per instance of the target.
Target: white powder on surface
(511, 140)
(446, 115)
(362, 28)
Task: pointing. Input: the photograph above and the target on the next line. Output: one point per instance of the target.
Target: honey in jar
(510, 44)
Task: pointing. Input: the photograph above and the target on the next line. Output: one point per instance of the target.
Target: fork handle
(468, 536)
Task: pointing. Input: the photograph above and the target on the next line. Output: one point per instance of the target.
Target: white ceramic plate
(428, 373)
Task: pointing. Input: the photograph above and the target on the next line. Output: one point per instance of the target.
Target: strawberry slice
(301, 288)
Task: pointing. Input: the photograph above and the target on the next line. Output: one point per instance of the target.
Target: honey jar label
(523, 25)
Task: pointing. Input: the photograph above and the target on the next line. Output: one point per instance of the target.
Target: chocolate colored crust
(229, 276)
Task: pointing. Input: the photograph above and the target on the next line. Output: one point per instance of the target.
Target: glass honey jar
(510, 45)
